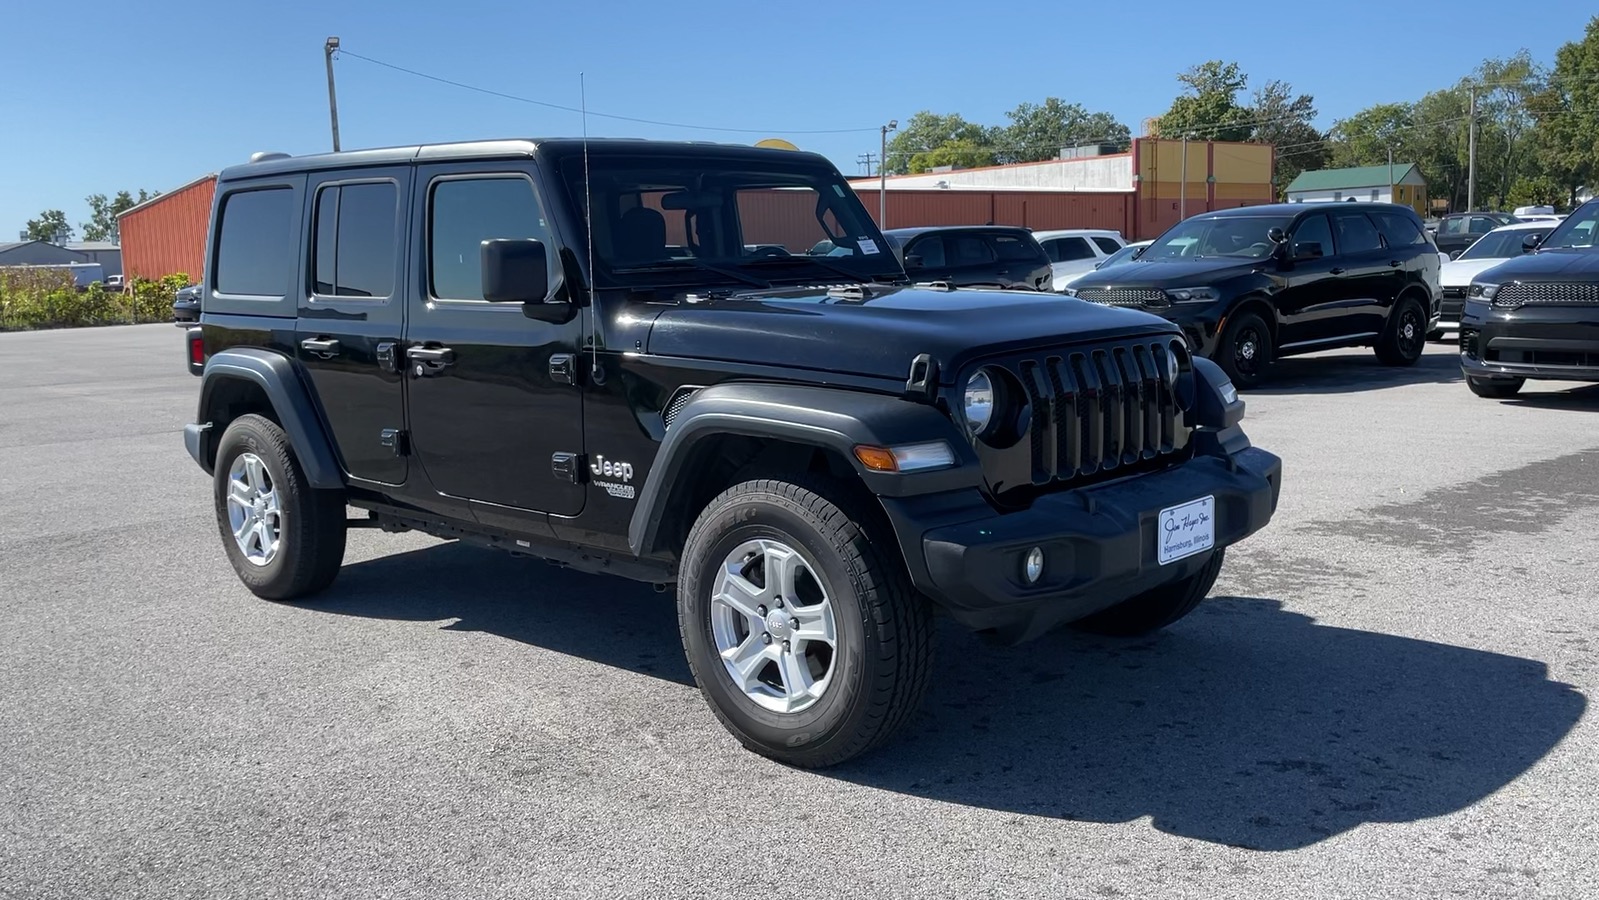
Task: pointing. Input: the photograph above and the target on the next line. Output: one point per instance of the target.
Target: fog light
(1033, 568)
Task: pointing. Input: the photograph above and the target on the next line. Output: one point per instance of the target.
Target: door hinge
(563, 368)
(399, 442)
(568, 467)
(387, 357)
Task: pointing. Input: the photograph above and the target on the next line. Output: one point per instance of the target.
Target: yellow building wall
(1413, 196)
(1241, 171)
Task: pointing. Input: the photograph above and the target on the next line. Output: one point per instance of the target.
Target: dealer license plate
(1186, 529)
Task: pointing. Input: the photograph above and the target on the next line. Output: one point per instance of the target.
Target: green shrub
(47, 298)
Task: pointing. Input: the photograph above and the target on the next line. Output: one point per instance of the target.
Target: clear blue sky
(98, 96)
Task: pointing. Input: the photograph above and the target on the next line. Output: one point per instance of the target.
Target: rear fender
(278, 379)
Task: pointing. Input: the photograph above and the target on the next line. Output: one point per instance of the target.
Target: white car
(1123, 255)
(1074, 251)
(1493, 248)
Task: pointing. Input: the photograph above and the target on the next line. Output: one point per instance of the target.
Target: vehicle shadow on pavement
(608, 620)
(1246, 725)
(1348, 372)
(1583, 398)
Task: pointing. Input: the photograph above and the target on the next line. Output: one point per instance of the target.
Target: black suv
(1251, 284)
(1457, 232)
(1536, 316)
(993, 256)
(568, 350)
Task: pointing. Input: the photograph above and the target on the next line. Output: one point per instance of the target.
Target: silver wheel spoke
(240, 492)
(746, 662)
(797, 684)
(739, 594)
(253, 470)
(815, 624)
(782, 571)
(253, 511)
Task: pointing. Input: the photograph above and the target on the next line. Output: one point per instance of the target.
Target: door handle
(1395, 263)
(433, 356)
(327, 348)
(1337, 270)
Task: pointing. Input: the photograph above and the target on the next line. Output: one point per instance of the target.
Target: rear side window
(355, 239)
(1453, 225)
(1012, 248)
(255, 252)
(1070, 249)
(1106, 244)
(1356, 234)
(466, 212)
(1398, 229)
(969, 250)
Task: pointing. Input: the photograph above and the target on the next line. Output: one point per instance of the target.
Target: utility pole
(1390, 173)
(882, 177)
(1182, 202)
(866, 160)
(328, 50)
(1471, 153)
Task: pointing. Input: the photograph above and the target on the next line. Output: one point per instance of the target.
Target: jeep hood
(878, 335)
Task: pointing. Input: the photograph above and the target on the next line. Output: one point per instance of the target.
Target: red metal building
(166, 235)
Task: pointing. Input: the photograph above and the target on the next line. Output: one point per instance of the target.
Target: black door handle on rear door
(1337, 270)
(1395, 263)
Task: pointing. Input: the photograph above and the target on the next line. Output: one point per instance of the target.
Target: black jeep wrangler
(620, 357)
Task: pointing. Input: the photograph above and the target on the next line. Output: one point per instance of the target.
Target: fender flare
(829, 418)
(278, 378)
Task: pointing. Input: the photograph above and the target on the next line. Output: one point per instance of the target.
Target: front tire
(1405, 337)
(284, 539)
(1495, 389)
(1245, 350)
(1155, 609)
(801, 627)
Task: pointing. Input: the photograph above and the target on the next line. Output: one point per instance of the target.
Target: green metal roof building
(1401, 183)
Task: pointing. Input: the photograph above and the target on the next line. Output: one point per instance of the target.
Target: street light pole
(1471, 153)
(1182, 202)
(882, 177)
(328, 50)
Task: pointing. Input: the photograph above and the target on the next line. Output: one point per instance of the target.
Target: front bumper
(1552, 342)
(1099, 541)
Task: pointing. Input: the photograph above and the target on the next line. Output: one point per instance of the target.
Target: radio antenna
(588, 229)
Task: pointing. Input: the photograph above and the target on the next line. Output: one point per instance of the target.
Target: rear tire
(1245, 350)
(1495, 389)
(759, 655)
(284, 539)
(1405, 336)
(1155, 609)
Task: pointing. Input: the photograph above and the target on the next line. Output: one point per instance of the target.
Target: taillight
(196, 339)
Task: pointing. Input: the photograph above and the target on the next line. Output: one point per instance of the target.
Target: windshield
(670, 220)
(1577, 230)
(1240, 236)
(1497, 245)
(1120, 256)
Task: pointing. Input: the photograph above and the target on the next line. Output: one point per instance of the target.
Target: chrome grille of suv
(1095, 410)
(1121, 297)
(1546, 293)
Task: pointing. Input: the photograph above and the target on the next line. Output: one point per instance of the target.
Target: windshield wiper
(830, 266)
(672, 265)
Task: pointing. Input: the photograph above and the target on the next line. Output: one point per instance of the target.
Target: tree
(1505, 91)
(1567, 112)
(928, 131)
(962, 154)
(102, 224)
(1209, 110)
(1040, 131)
(50, 226)
(1283, 119)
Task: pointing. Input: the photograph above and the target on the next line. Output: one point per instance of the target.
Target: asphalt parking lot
(1386, 696)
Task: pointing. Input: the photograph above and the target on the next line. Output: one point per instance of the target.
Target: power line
(573, 109)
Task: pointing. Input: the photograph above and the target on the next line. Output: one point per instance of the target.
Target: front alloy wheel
(773, 626)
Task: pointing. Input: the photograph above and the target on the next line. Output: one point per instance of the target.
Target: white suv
(1073, 251)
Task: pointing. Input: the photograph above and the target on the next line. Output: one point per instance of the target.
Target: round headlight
(979, 401)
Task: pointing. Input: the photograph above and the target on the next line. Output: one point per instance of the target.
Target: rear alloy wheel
(1245, 350)
(802, 628)
(1406, 336)
(1495, 388)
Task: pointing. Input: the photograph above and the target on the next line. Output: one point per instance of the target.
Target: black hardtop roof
(1294, 209)
(913, 231)
(509, 149)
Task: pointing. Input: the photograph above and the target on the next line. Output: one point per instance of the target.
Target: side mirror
(1531, 242)
(1139, 252)
(1455, 254)
(515, 270)
(1276, 236)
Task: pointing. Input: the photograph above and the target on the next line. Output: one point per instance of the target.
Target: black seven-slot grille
(1540, 293)
(1094, 410)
